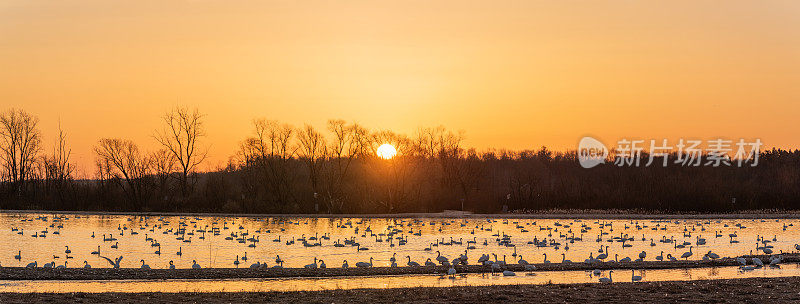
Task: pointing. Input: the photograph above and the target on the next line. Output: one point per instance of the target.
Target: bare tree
(57, 168)
(181, 135)
(121, 160)
(57, 165)
(268, 155)
(313, 152)
(20, 144)
(344, 148)
(164, 164)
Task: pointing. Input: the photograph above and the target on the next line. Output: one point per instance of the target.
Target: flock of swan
(488, 242)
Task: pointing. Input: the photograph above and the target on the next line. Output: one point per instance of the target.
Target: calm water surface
(217, 241)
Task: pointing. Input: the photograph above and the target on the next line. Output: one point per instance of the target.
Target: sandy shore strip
(539, 214)
(751, 290)
(20, 273)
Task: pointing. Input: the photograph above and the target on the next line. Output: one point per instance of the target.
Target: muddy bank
(19, 273)
(754, 290)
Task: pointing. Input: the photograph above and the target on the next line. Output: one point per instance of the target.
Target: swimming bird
(686, 255)
(608, 279)
(365, 264)
(312, 265)
(635, 278)
(603, 255)
(195, 265)
(144, 266)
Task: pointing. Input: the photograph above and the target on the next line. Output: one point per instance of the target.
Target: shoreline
(21, 273)
(750, 290)
(556, 214)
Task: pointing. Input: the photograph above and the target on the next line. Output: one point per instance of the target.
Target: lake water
(44, 237)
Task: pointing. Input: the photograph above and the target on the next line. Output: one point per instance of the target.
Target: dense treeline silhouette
(283, 169)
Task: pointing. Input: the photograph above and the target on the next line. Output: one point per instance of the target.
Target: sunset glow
(515, 74)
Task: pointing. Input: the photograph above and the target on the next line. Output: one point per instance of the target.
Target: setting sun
(386, 151)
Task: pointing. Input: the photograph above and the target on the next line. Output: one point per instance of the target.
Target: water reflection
(312, 284)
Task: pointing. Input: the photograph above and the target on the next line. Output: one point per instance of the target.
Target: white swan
(195, 265)
(312, 265)
(635, 278)
(365, 264)
(608, 279)
(603, 255)
(144, 266)
(686, 255)
(86, 265)
(440, 258)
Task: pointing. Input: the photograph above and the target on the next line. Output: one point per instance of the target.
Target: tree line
(280, 168)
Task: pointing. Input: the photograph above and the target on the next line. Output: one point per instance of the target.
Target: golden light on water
(386, 151)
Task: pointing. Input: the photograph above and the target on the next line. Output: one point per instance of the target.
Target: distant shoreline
(556, 214)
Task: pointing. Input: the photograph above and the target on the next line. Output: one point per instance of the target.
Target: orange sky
(511, 74)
